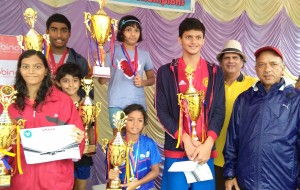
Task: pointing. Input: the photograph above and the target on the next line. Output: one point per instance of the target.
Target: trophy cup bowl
(117, 149)
(194, 102)
(88, 112)
(194, 105)
(32, 40)
(8, 131)
(99, 27)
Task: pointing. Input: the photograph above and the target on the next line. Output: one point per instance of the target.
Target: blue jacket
(78, 59)
(263, 138)
(167, 104)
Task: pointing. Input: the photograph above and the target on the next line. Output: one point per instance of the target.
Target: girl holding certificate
(42, 105)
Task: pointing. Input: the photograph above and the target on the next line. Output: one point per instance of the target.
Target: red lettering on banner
(9, 48)
(167, 2)
(6, 72)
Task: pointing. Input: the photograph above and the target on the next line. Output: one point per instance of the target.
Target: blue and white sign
(187, 6)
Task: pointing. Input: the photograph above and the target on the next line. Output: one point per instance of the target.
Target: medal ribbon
(19, 150)
(133, 66)
(134, 161)
(53, 65)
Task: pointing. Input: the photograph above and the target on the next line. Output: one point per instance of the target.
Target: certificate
(47, 144)
(193, 171)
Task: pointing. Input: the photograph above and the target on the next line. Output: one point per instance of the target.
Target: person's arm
(217, 111)
(73, 117)
(150, 176)
(230, 150)
(140, 82)
(163, 106)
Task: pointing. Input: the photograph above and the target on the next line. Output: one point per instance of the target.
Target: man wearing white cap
(262, 149)
(231, 60)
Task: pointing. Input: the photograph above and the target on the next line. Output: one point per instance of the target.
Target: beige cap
(231, 46)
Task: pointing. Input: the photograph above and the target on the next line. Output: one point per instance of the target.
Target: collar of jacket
(258, 86)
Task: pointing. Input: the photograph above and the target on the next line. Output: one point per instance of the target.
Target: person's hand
(132, 185)
(137, 80)
(203, 151)
(77, 134)
(113, 174)
(230, 183)
(190, 145)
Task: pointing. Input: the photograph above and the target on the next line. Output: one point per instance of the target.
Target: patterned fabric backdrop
(254, 23)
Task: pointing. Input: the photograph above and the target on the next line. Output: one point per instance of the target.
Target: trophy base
(5, 180)
(88, 149)
(103, 72)
(109, 188)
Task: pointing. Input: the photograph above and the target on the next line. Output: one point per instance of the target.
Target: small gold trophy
(8, 133)
(194, 101)
(99, 26)
(88, 112)
(118, 149)
(32, 40)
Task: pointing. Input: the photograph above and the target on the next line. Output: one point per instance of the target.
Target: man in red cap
(262, 149)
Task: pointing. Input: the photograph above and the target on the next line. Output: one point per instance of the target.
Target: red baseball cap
(268, 48)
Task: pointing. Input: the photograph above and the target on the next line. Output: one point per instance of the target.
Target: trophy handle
(87, 19)
(180, 97)
(98, 108)
(20, 41)
(21, 123)
(104, 144)
(46, 38)
(114, 22)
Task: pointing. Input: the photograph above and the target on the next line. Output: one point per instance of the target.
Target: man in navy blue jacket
(208, 81)
(262, 149)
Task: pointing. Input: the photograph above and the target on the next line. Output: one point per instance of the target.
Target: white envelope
(47, 144)
(193, 171)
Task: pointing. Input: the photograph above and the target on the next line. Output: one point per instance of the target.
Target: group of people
(247, 131)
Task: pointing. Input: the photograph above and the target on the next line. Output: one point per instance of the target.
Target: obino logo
(7, 72)
(8, 48)
(27, 133)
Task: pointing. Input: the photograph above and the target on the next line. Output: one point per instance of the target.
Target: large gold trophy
(100, 26)
(89, 112)
(8, 133)
(118, 149)
(32, 40)
(194, 101)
